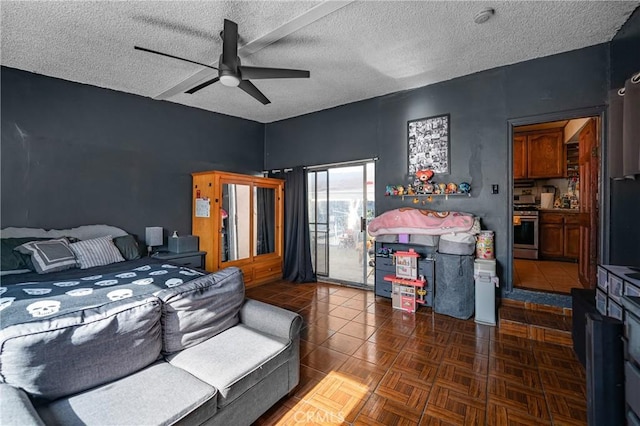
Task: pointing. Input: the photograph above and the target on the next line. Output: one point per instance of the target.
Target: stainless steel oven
(525, 234)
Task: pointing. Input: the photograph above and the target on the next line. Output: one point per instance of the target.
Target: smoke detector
(484, 15)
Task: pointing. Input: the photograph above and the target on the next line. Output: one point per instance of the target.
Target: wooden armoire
(239, 221)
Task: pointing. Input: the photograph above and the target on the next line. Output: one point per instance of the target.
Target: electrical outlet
(494, 188)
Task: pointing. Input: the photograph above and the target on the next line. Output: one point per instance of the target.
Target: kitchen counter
(560, 210)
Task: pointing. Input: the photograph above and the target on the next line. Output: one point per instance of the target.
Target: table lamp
(153, 237)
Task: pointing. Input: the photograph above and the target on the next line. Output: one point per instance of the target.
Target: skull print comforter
(29, 297)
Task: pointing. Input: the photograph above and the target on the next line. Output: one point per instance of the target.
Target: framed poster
(429, 144)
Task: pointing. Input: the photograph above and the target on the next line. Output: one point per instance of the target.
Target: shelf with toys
(424, 186)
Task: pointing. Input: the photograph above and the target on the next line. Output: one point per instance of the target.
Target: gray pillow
(49, 256)
(128, 247)
(96, 252)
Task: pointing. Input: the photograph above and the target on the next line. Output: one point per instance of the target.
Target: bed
(26, 295)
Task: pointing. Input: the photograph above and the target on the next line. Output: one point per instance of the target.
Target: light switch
(494, 188)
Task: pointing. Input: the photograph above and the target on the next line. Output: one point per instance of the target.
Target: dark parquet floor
(364, 363)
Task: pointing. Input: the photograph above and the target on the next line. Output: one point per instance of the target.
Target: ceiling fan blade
(248, 87)
(230, 45)
(202, 86)
(144, 49)
(251, 73)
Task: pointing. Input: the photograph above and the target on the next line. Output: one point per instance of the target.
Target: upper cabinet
(239, 220)
(519, 157)
(538, 155)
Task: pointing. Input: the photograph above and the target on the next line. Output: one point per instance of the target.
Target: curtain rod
(322, 166)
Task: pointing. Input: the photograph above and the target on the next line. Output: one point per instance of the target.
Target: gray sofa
(198, 353)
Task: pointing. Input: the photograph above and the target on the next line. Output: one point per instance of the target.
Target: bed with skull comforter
(31, 297)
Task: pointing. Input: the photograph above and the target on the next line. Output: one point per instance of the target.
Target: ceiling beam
(307, 18)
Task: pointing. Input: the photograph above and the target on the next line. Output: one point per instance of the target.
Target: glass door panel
(341, 202)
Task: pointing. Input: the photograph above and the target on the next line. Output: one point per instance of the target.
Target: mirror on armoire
(236, 222)
(264, 223)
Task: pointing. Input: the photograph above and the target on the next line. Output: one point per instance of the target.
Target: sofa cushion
(58, 356)
(236, 360)
(158, 394)
(197, 310)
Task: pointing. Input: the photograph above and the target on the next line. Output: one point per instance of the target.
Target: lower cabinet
(559, 236)
(385, 265)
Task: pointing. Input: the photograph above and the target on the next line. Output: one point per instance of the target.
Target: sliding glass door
(341, 203)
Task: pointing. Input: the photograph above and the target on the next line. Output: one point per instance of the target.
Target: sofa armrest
(16, 408)
(270, 319)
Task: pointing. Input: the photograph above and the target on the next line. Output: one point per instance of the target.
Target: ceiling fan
(231, 72)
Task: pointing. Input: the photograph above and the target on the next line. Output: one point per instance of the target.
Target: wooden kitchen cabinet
(519, 157)
(551, 235)
(539, 154)
(559, 235)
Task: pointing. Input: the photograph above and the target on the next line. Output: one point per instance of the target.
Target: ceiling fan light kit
(230, 72)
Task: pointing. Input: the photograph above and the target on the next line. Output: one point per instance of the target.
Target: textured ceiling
(354, 50)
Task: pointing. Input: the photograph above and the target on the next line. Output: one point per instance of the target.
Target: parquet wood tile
(515, 372)
(379, 410)
(371, 352)
(365, 373)
(469, 342)
(567, 410)
(324, 359)
(343, 343)
(356, 329)
(514, 328)
(330, 322)
(448, 406)
(554, 382)
(404, 388)
(343, 312)
(517, 398)
(339, 395)
(478, 364)
(387, 340)
(430, 336)
(419, 366)
(512, 353)
(462, 380)
(421, 346)
(373, 320)
(501, 415)
(315, 334)
(568, 366)
(364, 363)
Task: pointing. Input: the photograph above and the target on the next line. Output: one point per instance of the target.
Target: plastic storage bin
(484, 273)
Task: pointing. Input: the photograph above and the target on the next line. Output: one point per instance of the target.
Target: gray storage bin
(460, 244)
(455, 292)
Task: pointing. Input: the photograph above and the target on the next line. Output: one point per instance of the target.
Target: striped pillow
(96, 252)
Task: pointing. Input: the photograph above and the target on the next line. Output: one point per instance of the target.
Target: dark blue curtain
(297, 248)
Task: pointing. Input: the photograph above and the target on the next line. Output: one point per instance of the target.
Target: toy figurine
(443, 188)
(464, 187)
(410, 190)
(400, 189)
(389, 190)
(428, 188)
(452, 188)
(424, 176)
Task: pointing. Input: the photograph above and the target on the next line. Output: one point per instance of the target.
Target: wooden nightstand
(192, 259)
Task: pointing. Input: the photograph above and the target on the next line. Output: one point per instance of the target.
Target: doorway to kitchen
(341, 202)
(555, 204)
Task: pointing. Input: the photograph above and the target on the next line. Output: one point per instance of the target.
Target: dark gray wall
(625, 195)
(480, 106)
(74, 154)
